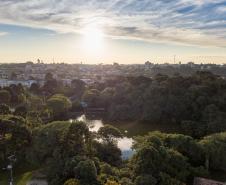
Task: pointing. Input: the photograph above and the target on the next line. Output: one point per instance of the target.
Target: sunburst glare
(93, 39)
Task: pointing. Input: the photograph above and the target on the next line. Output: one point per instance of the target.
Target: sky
(107, 31)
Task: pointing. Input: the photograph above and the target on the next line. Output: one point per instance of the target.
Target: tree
(108, 153)
(91, 97)
(15, 137)
(72, 182)
(215, 149)
(21, 111)
(76, 138)
(4, 109)
(61, 146)
(159, 153)
(165, 179)
(5, 96)
(51, 84)
(195, 129)
(126, 181)
(107, 95)
(33, 119)
(109, 133)
(18, 94)
(59, 104)
(48, 76)
(35, 88)
(145, 180)
(78, 88)
(86, 172)
(108, 150)
(109, 182)
(186, 145)
(47, 140)
(77, 107)
(35, 103)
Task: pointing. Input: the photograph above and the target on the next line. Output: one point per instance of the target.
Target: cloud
(221, 9)
(193, 22)
(3, 33)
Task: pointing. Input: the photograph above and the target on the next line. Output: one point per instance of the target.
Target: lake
(130, 129)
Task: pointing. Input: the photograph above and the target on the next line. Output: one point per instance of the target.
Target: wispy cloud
(3, 33)
(195, 22)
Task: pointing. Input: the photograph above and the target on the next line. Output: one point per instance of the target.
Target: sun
(93, 38)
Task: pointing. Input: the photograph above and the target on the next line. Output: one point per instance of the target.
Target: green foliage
(67, 150)
(196, 102)
(109, 133)
(47, 141)
(4, 109)
(48, 76)
(21, 110)
(165, 179)
(76, 106)
(194, 128)
(51, 85)
(76, 138)
(215, 149)
(33, 119)
(36, 103)
(126, 181)
(59, 104)
(145, 180)
(5, 96)
(86, 172)
(108, 170)
(15, 138)
(35, 88)
(186, 145)
(167, 154)
(78, 88)
(108, 152)
(62, 147)
(107, 96)
(91, 97)
(109, 182)
(72, 182)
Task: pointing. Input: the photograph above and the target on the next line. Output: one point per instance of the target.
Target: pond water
(124, 144)
(129, 129)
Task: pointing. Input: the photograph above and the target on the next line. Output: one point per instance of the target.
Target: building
(26, 83)
(3, 75)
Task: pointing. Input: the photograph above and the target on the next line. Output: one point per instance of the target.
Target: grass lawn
(21, 179)
(21, 175)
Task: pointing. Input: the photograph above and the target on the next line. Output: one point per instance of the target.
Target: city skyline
(127, 31)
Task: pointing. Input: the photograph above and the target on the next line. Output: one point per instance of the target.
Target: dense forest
(196, 103)
(34, 126)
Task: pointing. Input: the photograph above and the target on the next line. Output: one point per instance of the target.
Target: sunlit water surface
(125, 144)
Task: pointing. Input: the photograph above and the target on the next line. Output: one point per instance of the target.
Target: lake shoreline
(133, 125)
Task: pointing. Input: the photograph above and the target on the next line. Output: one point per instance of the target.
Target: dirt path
(37, 182)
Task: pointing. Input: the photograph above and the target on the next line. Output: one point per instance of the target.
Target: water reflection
(124, 144)
(94, 125)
